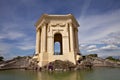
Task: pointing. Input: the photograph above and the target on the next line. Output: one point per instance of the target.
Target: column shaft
(77, 41)
(71, 37)
(37, 41)
(44, 39)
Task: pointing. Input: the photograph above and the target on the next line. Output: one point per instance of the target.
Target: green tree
(93, 55)
(18, 57)
(111, 58)
(1, 58)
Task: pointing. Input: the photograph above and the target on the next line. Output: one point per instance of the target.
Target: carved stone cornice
(58, 24)
(45, 18)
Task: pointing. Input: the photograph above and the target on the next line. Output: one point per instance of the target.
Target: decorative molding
(58, 24)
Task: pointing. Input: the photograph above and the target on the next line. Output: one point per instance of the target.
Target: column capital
(41, 25)
(37, 29)
(70, 22)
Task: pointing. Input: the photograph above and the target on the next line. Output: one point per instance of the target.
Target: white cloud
(15, 35)
(88, 48)
(112, 38)
(12, 35)
(11, 31)
(82, 46)
(8, 50)
(84, 8)
(92, 50)
(106, 54)
(96, 27)
(109, 47)
(101, 49)
(4, 48)
(21, 40)
(91, 47)
(27, 44)
(26, 47)
(2, 36)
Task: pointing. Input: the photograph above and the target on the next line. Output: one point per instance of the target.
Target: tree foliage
(111, 58)
(1, 58)
(93, 55)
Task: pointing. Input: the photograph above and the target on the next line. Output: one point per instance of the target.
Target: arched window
(58, 44)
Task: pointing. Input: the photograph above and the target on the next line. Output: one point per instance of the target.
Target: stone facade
(56, 28)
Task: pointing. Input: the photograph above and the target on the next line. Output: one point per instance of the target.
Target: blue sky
(99, 20)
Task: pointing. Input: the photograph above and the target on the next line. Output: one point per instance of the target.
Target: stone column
(41, 39)
(71, 37)
(51, 44)
(44, 39)
(77, 41)
(37, 41)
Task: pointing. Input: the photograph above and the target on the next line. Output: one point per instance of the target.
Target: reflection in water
(57, 76)
(95, 74)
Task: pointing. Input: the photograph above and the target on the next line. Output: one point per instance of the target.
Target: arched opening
(58, 44)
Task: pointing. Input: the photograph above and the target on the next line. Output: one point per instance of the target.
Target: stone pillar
(75, 36)
(65, 44)
(71, 37)
(46, 37)
(37, 41)
(43, 39)
(77, 41)
(51, 45)
(50, 41)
